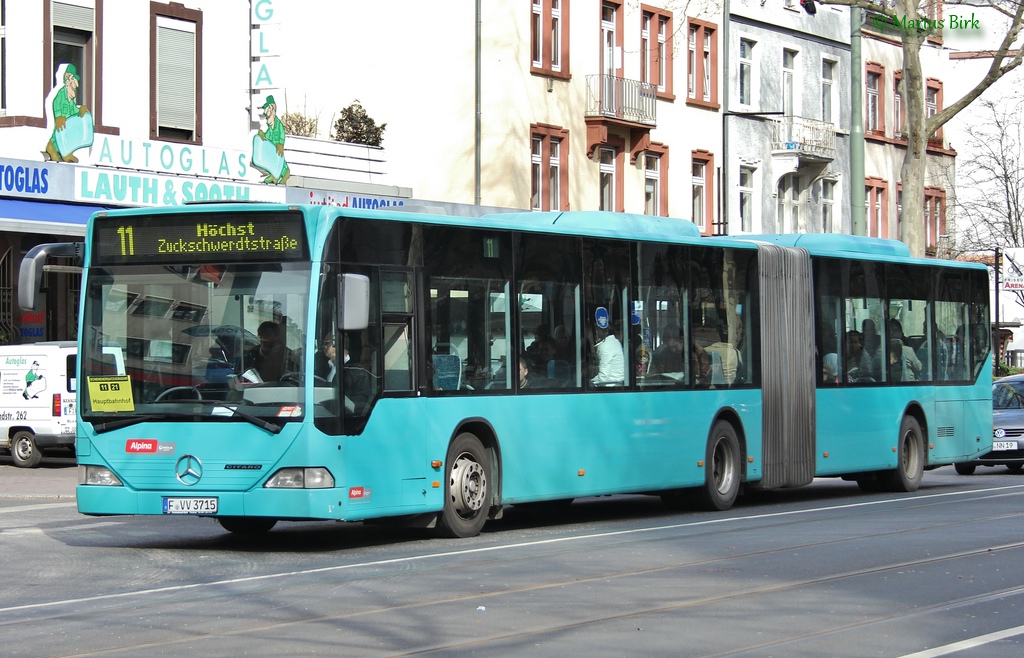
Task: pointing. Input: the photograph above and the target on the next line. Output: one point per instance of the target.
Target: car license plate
(190, 505)
(1004, 445)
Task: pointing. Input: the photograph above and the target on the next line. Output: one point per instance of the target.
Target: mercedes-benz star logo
(189, 470)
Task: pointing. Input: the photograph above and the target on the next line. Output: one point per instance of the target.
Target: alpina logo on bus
(141, 445)
(356, 492)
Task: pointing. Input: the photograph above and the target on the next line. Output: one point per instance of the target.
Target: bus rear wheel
(723, 469)
(467, 489)
(910, 458)
(246, 525)
(24, 450)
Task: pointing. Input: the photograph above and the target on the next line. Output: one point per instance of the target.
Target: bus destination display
(199, 238)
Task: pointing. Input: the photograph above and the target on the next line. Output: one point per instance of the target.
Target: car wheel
(24, 450)
(964, 468)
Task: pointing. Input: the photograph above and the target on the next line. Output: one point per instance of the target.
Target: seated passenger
(670, 356)
(610, 362)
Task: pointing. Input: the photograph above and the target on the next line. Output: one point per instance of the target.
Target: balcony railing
(628, 100)
(804, 136)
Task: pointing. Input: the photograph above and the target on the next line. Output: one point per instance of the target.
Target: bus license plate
(1004, 445)
(190, 505)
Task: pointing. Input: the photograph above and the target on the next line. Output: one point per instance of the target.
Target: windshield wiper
(110, 425)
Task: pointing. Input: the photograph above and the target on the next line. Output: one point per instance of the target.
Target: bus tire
(24, 450)
(964, 468)
(910, 458)
(246, 525)
(467, 488)
(723, 469)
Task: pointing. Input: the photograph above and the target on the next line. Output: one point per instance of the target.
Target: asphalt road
(820, 571)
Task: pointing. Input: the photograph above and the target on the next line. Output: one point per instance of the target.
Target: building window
(3, 56)
(828, 201)
(747, 199)
(549, 38)
(934, 217)
(702, 66)
(899, 209)
(652, 184)
(656, 180)
(874, 99)
(829, 102)
(788, 207)
(176, 58)
(789, 82)
(933, 104)
(703, 164)
(656, 51)
(549, 159)
(897, 105)
(876, 199)
(646, 53)
(73, 40)
(746, 72)
(608, 179)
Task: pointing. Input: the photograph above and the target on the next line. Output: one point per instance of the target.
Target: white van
(37, 399)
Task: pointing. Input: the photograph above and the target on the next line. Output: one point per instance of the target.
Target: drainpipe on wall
(476, 119)
(858, 223)
(723, 190)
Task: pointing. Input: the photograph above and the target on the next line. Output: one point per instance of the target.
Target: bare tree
(990, 207)
(296, 123)
(911, 16)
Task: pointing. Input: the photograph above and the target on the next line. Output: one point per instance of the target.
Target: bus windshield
(194, 341)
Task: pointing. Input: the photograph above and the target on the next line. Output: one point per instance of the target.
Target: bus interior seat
(558, 371)
(447, 372)
(717, 373)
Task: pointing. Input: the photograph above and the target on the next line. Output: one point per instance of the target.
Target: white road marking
(963, 645)
(489, 549)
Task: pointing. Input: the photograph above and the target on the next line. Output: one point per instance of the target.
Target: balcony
(625, 106)
(630, 101)
(807, 139)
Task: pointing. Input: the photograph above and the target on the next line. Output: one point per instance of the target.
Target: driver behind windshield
(272, 359)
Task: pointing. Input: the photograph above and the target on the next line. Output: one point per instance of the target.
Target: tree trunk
(915, 163)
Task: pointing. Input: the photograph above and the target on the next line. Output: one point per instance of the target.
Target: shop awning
(22, 216)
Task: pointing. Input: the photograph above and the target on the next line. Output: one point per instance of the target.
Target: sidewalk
(55, 478)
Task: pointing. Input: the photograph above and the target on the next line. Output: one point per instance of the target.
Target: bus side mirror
(353, 302)
(30, 277)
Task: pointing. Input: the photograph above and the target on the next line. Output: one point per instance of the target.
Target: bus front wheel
(24, 450)
(910, 458)
(467, 489)
(246, 525)
(723, 469)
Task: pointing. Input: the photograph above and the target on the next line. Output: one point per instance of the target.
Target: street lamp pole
(998, 347)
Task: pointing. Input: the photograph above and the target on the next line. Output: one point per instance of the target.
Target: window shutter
(176, 78)
(72, 16)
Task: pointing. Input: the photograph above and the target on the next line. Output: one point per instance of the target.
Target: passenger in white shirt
(610, 362)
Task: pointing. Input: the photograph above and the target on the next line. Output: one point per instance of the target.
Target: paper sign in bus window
(111, 393)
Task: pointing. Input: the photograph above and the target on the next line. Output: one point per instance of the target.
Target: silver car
(1007, 427)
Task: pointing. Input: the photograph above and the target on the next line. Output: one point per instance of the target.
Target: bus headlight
(99, 476)
(301, 478)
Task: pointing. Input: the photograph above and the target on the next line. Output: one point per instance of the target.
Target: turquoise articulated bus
(279, 362)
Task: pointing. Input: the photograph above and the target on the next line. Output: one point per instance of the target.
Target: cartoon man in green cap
(64, 107)
(274, 168)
